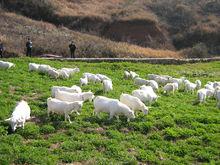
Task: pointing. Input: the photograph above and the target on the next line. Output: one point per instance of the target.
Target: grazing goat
(112, 106)
(19, 116)
(63, 107)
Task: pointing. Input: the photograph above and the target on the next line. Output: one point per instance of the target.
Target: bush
(200, 50)
(30, 131)
(212, 7)
(37, 9)
(45, 129)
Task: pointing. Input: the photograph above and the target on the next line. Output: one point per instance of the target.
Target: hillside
(50, 39)
(160, 24)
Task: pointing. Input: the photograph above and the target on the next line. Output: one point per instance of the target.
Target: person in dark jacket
(29, 47)
(1, 49)
(72, 48)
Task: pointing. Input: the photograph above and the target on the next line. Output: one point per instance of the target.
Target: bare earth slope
(158, 24)
(48, 38)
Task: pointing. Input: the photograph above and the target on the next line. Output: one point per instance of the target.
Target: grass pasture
(176, 130)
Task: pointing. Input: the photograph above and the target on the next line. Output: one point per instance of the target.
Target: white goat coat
(63, 107)
(44, 68)
(71, 97)
(33, 67)
(63, 74)
(153, 84)
(92, 77)
(107, 85)
(102, 77)
(189, 86)
(134, 103)
(179, 81)
(6, 65)
(140, 81)
(70, 71)
(112, 106)
(127, 74)
(170, 87)
(146, 94)
(20, 114)
(216, 84)
(210, 87)
(53, 73)
(83, 81)
(73, 89)
(133, 74)
(203, 93)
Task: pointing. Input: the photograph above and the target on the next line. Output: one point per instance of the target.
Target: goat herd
(65, 100)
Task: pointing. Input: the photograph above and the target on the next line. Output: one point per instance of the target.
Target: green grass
(176, 131)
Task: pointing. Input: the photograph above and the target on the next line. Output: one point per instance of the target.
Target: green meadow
(177, 130)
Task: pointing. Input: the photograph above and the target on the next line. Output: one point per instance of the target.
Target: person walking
(1, 49)
(29, 47)
(72, 48)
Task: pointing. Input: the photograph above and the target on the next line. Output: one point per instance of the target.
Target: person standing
(29, 47)
(1, 49)
(72, 48)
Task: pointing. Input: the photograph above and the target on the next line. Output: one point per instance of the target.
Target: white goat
(63, 107)
(216, 84)
(33, 67)
(44, 68)
(71, 97)
(198, 84)
(203, 93)
(153, 84)
(53, 73)
(170, 87)
(134, 103)
(102, 77)
(112, 106)
(92, 77)
(83, 81)
(70, 71)
(160, 79)
(20, 114)
(189, 86)
(107, 85)
(209, 86)
(6, 65)
(146, 94)
(179, 81)
(63, 74)
(140, 81)
(127, 74)
(73, 89)
(133, 74)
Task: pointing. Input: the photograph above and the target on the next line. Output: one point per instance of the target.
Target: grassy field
(176, 130)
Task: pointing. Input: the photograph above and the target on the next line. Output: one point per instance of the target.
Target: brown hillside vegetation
(48, 38)
(158, 24)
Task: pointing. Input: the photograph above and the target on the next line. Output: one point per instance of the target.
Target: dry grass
(48, 38)
(183, 23)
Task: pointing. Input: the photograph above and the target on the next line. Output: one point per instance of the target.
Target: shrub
(30, 131)
(45, 129)
(200, 50)
(37, 9)
(212, 7)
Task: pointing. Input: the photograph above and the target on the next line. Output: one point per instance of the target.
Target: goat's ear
(9, 119)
